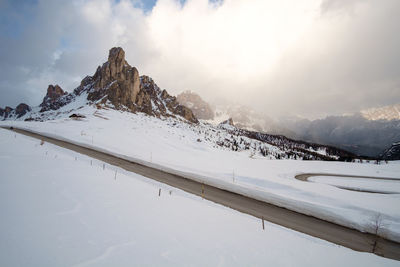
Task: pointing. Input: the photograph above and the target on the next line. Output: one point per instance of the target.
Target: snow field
(173, 146)
(60, 208)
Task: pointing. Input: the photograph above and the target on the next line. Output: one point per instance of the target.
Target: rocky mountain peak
(54, 92)
(50, 101)
(8, 109)
(117, 85)
(115, 81)
(116, 56)
(4, 113)
(117, 63)
(18, 112)
(200, 108)
(22, 109)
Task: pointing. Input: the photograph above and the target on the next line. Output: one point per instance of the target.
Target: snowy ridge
(332, 214)
(176, 148)
(221, 136)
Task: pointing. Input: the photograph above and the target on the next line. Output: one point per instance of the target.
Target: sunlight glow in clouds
(307, 57)
(234, 37)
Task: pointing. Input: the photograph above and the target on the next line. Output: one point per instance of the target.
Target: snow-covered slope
(194, 151)
(120, 112)
(243, 116)
(63, 209)
(116, 85)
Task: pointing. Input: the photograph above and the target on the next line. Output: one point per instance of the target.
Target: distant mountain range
(117, 86)
(353, 133)
(367, 133)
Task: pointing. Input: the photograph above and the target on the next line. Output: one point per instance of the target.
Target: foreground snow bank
(63, 209)
(174, 146)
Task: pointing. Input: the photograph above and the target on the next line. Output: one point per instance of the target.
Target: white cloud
(307, 57)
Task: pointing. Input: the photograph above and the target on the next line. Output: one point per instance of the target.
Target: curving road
(331, 232)
(304, 177)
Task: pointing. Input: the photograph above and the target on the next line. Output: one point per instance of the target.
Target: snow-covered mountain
(353, 133)
(116, 87)
(244, 116)
(367, 133)
(201, 109)
(18, 112)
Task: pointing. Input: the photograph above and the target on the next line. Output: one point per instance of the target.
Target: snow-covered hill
(117, 86)
(63, 209)
(208, 154)
(128, 115)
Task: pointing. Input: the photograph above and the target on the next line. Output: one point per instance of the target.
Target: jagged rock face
(22, 109)
(6, 112)
(116, 80)
(51, 100)
(154, 101)
(117, 85)
(18, 112)
(54, 92)
(200, 108)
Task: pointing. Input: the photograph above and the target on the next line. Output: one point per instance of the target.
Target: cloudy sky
(299, 57)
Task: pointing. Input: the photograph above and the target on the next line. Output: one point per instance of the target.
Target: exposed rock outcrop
(201, 109)
(154, 101)
(52, 99)
(22, 109)
(116, 81)
(119, 84)
(7, 112)
(18, 112)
